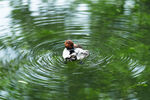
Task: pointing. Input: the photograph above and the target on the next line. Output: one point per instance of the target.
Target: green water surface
(32, 35)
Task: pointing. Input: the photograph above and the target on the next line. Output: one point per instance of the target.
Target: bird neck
(71, 50)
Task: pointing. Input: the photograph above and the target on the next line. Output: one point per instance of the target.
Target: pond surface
(32, 35)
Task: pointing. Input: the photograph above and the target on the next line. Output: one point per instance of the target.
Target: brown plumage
(70, 45)
(73, 51)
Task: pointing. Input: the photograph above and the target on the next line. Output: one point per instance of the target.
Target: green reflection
(31, 65)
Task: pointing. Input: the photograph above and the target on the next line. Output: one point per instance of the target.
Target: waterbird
(73, 51)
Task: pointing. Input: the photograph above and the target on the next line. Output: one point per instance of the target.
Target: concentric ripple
(44, 61)
(32, 35)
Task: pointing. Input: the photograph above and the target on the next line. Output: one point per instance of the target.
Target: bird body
(78, 54)
(74, 52)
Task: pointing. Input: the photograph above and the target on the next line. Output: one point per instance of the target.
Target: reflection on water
(32, 35)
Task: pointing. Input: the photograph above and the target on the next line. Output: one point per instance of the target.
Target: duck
(73, 52)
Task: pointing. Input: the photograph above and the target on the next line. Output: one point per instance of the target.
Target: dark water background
(116, 32)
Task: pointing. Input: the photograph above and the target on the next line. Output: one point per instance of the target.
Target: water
(32, 35)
